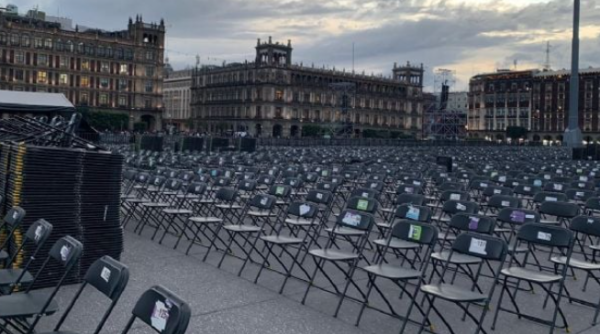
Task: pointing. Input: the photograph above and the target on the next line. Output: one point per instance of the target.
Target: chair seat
(228, 206)
(10, 276)
(530, 275)
(243, 228)
(444, 219)
(384, 225)
(204, 201)
(300, 222)
(261, 214)
(333, 255)
(188, 196)
(345, 231)
(156, 205)
(388, 210)
(502, 230)
(595, 247)
(3, 255)
(549, 222)
(206, 220)
(59, 332)
(281, 240)
(575, 263)
(457, 258)
(393, 272)
(453, 293)
(178, 211)
(25, 305)
(396, 243)
(442, 235)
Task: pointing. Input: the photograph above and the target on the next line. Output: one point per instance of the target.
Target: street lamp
(572, 136)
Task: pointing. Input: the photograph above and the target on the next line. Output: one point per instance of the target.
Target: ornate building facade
(118, 71)
(272, 97)
(533, 99)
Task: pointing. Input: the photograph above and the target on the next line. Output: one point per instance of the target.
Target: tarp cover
(31, 102)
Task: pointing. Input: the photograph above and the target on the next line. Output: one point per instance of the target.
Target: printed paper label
(478, 246)
(160, 316)
(518, 216)
(351, 219)
(279, 190)
(460, 207)
(362, 205)
(473, 223)
(544, 236)
(304, 209)
(413, 213)
(455, 197)
(64, 252)
(551, 199)
(414, 232)
(505, 204)
(105, 274)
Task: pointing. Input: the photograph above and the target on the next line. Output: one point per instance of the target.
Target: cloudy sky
(466, 36)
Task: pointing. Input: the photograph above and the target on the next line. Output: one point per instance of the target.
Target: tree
(516, 132)
(312, 131)
(103, 120)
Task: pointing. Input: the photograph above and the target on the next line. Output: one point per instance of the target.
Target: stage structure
(439, 121)
(345, 96)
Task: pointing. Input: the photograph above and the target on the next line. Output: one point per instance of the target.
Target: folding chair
(354, 227)
(405, 211)
(415, 234)
(16, 307)
(162, 310)
(563, 212)
(13, 277)
(109, 277)
(534, 236)
(485, 247)
(11, 222)
(261, 206)
(299, 214)
(585, 228)
(498, 202)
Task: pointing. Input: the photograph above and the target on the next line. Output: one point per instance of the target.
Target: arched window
(70, 46)
(25, 40)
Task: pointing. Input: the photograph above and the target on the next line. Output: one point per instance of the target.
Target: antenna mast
(547, 65)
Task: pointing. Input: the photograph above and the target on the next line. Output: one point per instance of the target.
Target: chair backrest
(413, 212)
(586, 224)
(452, 207)
(472, 223)
(579, 194)
(544, 234)
(362, 204)
(559, 209)
(263, 202)
(414, 199)
(303, 209)
(329, 186)
(323, 197)
(280, 190)
(162, 310)
(196, 188)
(247, 185)
(526, 190)
(454, 195)
(480, 245)
(226, 194)
(593, 203)
(545, 196)
(293, 182)
(11, 222)
(356, 219)
(108, 276)
(409, 189)
(495, 190)
(365, 193)
(504, 201)
(416, 232)
(518, 216)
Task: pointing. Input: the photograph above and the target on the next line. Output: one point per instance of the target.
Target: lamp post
(572, 136)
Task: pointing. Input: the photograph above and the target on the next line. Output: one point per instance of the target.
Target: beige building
(177, 96)
(272, 97)
(113, 71)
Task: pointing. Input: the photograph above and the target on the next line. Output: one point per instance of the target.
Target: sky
(465, 36)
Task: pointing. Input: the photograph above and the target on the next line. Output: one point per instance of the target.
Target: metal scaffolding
(342, 125)
(439, 121)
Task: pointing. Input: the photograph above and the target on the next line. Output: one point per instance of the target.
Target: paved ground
(224, 303)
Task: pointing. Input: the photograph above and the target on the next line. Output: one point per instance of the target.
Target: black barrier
(445, 161)
(193, 144)
(152, 143)
(248, 145)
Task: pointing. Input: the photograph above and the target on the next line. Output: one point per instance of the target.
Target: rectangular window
(103, 99)
(84, 98)
(123, 69)
(42, 77)
(63, 79)
(14, 39)
(85, 65)
(122, 84)
(38, 42)
(20, 57)
(279, 95)
(48, 43)
(104, 67)
(65, 62)
(42, 60)
(25, 41)
(19, 75)
(149, 87)
(149, 71)
(104, 82)
(85, 81)
(122, 101)
(149, 55)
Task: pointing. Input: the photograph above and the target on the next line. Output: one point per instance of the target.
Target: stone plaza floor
(222, 302)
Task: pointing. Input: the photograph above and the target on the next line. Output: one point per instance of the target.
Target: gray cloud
(434, 32)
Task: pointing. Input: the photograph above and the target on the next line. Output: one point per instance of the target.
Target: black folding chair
(17, 307)
(537, 236)
(109, 277)
(162, 310)
(14, 277)
(354, 227)
(12, 220)
(488, 249)
(419, 235)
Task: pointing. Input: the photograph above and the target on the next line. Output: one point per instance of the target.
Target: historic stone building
(117, 71)
(177, 95)
(533, 99)
(272, 97)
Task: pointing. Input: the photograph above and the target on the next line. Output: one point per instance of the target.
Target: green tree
(516, 132)
(312, 131)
